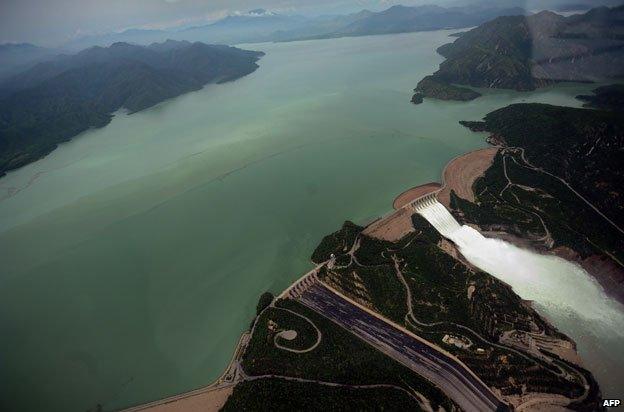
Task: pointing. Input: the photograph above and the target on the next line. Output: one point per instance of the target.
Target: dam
(561, 291)
(436, 214)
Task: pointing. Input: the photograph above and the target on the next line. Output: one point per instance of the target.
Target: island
(58, 99)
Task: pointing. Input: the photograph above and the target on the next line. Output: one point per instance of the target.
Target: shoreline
(203, 398)
(459, 174)
(599, 268)
(414, 193)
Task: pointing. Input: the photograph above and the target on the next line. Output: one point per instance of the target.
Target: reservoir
(132, 257)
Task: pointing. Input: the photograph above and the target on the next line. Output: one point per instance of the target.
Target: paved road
(453, 378)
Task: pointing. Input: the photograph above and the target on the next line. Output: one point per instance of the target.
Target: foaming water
(562, 291)
(439, 217)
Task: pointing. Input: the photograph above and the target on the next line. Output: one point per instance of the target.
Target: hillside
(574, 202)
(605, 97)
(15, 57)
(586, 143)
(261, 25)
(417, 286)
(399, 19)
(56, 100)
(432, 87)
(253, 26)
(527, 52)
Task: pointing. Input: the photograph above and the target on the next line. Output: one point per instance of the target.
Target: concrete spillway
(562, 291)
(438, 216)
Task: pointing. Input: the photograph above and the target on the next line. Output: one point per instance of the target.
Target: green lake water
(132, 257)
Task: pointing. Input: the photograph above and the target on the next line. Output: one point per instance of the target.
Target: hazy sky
(52, 22)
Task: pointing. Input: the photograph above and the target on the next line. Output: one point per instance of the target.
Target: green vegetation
(474, 126)
(526, 52)
(537, 204)
(388, 297)
(339, 358)
(606, 97)
(448, 297)
(586, 144)
(337, 243)
(284, 395)
(495, 54)
(369, 253)
(417, 98)
(433, 87)
(277, 320)
(265, 300)
(55, 101)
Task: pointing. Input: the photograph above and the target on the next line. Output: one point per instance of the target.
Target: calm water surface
(132, 257)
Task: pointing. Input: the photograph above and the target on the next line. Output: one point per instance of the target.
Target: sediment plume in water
(560, 290)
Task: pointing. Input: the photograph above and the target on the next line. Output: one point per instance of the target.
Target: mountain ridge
(528, 52)
(55, 101)
(261, 25)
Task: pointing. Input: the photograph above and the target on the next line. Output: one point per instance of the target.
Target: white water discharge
(562, 291)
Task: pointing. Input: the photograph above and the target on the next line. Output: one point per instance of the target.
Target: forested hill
(56, 100)
(583, 147)
(527, 52)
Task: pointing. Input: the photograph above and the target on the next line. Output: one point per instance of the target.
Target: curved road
(319, 335)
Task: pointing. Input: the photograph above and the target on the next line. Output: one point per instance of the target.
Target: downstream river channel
(132, 258)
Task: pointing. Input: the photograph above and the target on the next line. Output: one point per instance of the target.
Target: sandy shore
(461, 173)
(392, 227)
(414, 193)
(458, 175)
(396, 225)
(202, 400)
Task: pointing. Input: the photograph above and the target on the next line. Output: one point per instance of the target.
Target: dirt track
(203, 400)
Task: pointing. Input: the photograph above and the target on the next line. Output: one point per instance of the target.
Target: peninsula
(392, 315)
(527, 52)
(60, 98)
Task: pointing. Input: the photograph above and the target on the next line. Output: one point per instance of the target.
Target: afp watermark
(613, 403)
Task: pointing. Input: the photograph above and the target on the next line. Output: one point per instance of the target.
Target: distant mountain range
(527, 52)
(400, 19)
(254, 26)
(15, 57)
(260, 26)
(58, 99)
